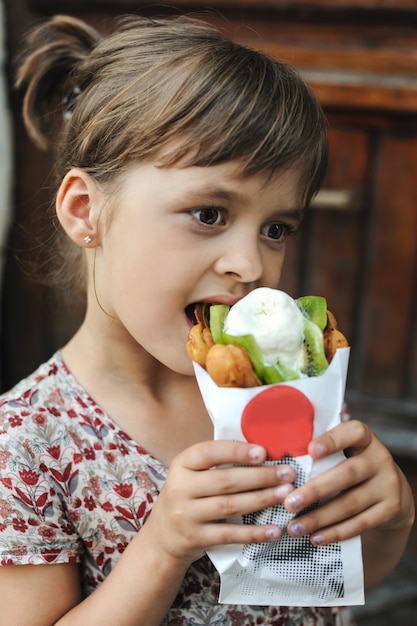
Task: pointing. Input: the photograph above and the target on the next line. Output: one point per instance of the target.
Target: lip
(228, 299)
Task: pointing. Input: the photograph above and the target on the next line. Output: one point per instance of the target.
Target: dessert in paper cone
(272, 371)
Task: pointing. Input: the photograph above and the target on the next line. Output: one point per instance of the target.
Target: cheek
(273, 264)
(162, 339)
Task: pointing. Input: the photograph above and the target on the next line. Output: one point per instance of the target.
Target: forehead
(231, 170)
(228, 181)
(217, 184)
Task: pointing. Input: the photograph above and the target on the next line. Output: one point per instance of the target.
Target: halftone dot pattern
(316, 571)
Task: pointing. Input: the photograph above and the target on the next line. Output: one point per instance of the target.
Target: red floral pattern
(76, 488)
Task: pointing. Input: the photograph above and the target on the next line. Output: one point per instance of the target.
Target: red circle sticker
(281, 420)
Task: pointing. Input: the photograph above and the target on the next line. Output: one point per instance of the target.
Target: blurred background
(358, 243)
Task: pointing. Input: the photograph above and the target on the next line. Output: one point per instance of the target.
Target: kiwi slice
(249, 343)
(218, 313)
(315, 361)
(278, 373)
(314, 308)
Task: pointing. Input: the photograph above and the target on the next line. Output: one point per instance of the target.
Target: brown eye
(274, 231)
(211, 216)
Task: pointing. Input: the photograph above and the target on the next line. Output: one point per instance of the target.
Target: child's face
(184, 235)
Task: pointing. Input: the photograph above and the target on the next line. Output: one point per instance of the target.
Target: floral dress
(74, 488)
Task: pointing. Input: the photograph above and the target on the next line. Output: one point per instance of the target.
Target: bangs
(255, 110)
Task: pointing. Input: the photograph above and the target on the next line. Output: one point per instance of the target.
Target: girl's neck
(160, 409)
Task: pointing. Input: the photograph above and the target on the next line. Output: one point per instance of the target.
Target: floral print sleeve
(74, 488)
(34, 527)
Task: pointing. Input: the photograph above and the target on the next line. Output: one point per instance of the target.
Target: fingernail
(256, 453)
(320, 450)
(297, 529)
(284, 473)
(318, 540)
(295, 501)
(283, 490)
(272, 533)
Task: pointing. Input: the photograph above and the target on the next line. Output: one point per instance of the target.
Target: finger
(351, 437)
(222, 534)
(341, 477)
(218, 508)
(236, 479)
(380, 494)
(207, 454)
(349, 528)
(335, 512)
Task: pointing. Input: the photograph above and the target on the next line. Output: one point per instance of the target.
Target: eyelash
(206, 209)
(287, 230)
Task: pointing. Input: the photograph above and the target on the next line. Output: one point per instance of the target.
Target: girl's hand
(368, 489)
(206, 484)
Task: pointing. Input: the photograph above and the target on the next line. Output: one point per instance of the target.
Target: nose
(241, 258)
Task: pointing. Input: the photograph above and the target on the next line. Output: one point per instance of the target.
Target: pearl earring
(87, 239)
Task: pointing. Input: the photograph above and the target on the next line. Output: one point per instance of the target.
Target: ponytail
(46, 71)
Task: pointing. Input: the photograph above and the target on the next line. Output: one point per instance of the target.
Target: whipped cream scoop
(276, 323)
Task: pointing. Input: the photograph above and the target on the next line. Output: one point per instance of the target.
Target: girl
(185, 160)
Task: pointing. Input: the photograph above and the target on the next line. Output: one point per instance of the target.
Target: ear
(78, 208)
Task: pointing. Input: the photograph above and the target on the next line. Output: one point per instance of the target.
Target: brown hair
(153, 82)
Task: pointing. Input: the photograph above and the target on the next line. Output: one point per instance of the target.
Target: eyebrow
(216, 192)
(293, 214)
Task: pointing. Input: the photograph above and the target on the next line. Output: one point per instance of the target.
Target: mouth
(198, 312)
(190, 313)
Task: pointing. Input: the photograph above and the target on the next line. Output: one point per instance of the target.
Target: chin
(187, 370)
(180, 365)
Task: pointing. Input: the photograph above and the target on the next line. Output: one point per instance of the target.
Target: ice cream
(276, 323)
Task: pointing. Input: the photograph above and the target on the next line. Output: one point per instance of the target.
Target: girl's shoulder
(50, 407)
(48, 391)
(33, 392)
(36, 413)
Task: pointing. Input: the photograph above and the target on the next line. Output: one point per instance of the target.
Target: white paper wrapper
(290, 571)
